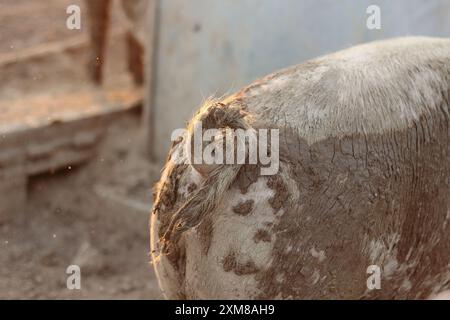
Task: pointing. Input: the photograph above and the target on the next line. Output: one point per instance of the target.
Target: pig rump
(363, 180)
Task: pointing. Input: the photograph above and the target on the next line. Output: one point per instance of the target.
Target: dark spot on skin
(281, 193)
(243, 269)
(205, 232)
(262, 235)
(243, 208)
(247, 175)
(231, 264)
(192, 187)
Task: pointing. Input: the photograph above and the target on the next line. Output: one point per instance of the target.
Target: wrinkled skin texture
(99, 12)
(364, 180)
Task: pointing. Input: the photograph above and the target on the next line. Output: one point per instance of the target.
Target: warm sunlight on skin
(442, 296)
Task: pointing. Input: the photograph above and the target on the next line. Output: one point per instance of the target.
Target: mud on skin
(363, 180)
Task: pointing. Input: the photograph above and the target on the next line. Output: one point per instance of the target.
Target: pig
(99, 16)
(362, 188)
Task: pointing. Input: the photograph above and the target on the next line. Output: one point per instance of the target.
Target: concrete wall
(210, 47)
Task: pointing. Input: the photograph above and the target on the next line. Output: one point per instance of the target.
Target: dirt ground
(95, 215)
(67, 222)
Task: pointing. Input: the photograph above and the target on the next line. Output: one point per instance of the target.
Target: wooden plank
(48, 48)
(42, 145)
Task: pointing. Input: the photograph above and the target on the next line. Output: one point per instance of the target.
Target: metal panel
(210, 47)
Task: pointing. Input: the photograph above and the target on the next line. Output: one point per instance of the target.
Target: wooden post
(151, 53)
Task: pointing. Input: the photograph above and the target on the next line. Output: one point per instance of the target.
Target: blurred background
(86, 115)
